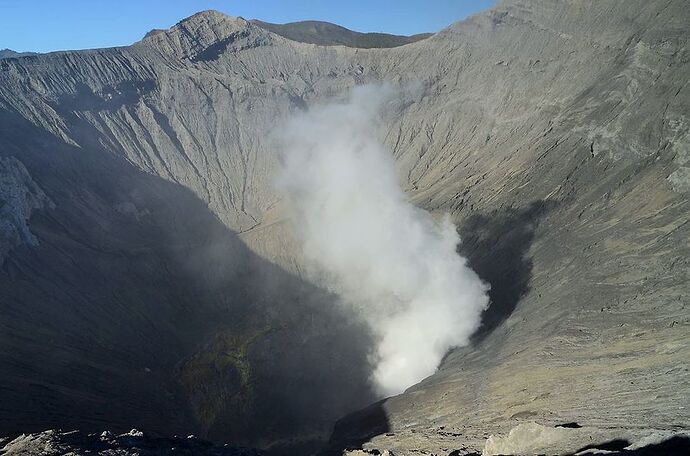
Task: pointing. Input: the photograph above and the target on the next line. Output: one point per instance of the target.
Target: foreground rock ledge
(135, 442)
(525, 439)
(532, 438)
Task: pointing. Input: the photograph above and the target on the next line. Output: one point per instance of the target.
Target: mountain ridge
(9, 53)
(328, 34)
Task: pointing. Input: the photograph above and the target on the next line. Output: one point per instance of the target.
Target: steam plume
(395, 265)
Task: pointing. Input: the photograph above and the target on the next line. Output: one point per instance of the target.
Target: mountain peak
(209, 14)
(208, 19)
(205, 35)
(211, 17)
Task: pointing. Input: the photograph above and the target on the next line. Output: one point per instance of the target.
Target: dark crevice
(676, 445)
(572, 425)
(496, 246)
(352, 431)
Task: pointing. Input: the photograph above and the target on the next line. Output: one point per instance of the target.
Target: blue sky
(49, 25)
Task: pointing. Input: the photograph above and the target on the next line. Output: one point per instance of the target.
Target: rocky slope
(556, 134)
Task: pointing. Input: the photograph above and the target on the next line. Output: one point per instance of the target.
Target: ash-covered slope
(560, 145)
(555, 133)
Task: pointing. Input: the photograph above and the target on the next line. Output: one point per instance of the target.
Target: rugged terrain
(140, 230)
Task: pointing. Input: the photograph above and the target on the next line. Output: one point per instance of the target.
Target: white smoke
(395, 265)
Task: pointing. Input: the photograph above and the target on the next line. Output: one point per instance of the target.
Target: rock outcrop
(554, 133)
(19, 197)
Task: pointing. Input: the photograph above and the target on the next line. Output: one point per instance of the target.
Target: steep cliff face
(126, 302)
(556, 134)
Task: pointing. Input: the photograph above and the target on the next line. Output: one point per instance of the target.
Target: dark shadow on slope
(496, 246)
(214, 51)
(570, 425)
(352, 431)
(611, 445)
(676, 445)
(140, 309)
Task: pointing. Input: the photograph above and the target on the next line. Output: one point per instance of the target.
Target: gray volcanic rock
(532, 438)
(554, 133)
